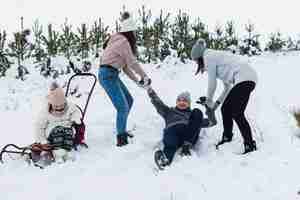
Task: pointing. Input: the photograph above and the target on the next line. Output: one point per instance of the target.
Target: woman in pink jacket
(120, 54)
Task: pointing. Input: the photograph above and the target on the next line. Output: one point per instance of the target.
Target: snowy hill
(107, 172)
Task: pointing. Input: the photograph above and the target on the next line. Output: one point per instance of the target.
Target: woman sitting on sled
(55, 125)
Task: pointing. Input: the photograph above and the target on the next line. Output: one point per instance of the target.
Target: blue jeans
(118, 94)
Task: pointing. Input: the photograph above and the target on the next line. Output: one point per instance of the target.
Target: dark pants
(176, 135)
(234, 107)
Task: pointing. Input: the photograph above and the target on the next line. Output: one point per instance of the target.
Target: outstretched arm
(159, 105)
(130, 74)
(212, 84)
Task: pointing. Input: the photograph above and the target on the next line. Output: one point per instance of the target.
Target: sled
(28, 151)
(80, 129)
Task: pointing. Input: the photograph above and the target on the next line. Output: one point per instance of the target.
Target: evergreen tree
(231, 39)
(52, 41)
(290, 44)
(39, 52)
(145, 35)
(250, 45)
(297, 48)
(218, 38)
(4, 62)
(67, 41)
(275, 43)
(84, 41)
(199, 30)
(98, 35)
(161, 29)
(181, 39)
(20, 49)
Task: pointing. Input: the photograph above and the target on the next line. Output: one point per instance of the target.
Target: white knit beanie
(128, 24)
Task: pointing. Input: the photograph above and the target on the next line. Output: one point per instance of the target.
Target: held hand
(145, 82)
(202, 100)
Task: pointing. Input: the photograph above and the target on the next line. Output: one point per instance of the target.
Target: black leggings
(234, 107)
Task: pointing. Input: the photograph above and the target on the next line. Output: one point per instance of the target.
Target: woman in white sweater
(239, 81)
(55, 122)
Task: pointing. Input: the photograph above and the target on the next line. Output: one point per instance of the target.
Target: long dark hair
(200, 63)
(130, 36)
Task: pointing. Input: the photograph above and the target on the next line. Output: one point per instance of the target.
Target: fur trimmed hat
(198, 49)
(56, 95)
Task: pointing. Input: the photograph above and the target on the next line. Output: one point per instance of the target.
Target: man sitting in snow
(183, 126)
(54, 126)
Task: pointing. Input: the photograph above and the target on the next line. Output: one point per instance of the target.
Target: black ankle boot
(161, 160)
(224, 140)
(122, 140)
(249, 147)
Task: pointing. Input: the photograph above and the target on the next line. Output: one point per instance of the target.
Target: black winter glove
(202, 100)
(145, 82)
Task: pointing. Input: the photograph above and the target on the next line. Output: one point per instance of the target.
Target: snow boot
(122, 139)
(249, 147)
(161, 160)
(224, 140)
(186, 149)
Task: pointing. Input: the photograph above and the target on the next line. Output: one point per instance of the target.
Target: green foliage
(38, 51)
(157, 36)
(218, 38)
(51, 41)
(145, 35)
(67, 41)
(83, 41)
(161, 29)
(296, 115)
(250, 45)
(20, 49)
(231, 38)
(98, 35)
(20, 46)
(199, 30)
(4, 62)
(276, 42)
(181, 39)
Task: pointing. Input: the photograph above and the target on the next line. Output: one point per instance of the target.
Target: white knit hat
(128, 24)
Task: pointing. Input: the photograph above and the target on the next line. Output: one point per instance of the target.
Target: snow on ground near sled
(106, 172)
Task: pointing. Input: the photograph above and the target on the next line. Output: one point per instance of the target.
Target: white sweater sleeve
(212, 80)
(40, 128)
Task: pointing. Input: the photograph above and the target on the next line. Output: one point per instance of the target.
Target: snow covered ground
(107, 172)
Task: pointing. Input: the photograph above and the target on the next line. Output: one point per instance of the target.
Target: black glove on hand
(145, 82)
(202, 100)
